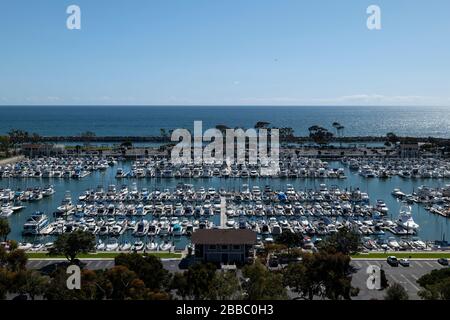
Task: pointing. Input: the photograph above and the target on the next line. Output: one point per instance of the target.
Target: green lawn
(100, 255)
(416, 255)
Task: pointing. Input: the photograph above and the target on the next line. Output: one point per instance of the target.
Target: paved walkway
(223, 212)
(11, 160)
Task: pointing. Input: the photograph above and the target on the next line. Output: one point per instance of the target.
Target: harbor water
(432, 226)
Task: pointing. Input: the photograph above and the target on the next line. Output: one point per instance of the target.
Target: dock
(223, 212)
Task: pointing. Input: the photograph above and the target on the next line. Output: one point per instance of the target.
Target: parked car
(392, 261)
(404, 262)
(443, 261)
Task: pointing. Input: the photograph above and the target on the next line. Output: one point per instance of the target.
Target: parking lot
(97, 264)
(406, 276)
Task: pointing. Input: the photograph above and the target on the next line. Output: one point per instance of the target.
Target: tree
(126, 144)
(297, 277)
(336, 125)
(148, 268)
(262, 284)
(17, 136)
(6, 277)
(435, 285)
(322, 274)
(88, 136)
(30, 282)
(94, 286)
(340, 130)
(392, 137)
(122, 280)
(196, 282)
(286, 133)
(320, 135)
(5, 145)
(57, 287)
(72, 244)
(179, 283)
(262, 125)
(222, 128)
(290, 240)
(396, 292)
(5, 229)
(225, 286)
(346, 241)
(35, 138)
(16, 260)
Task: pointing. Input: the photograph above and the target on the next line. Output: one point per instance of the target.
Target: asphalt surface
(406, 276)
(96, 264)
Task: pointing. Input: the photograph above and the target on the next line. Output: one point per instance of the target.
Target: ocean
(136, 121)
(148, 121)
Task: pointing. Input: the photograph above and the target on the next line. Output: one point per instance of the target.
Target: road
(97, 264)
(406, 276)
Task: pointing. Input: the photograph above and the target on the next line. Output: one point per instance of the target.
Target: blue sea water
(140, 120)
(135, 121)
(432, 226)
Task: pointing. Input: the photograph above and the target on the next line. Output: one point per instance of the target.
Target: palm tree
(336, 126)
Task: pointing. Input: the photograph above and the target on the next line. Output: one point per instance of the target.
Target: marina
(161, 212)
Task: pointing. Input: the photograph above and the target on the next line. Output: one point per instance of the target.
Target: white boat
(165, 246)
(35, 224)
(66, 204)
(152, 246)
(6, 212)
(393, 243)
(112, 245)
(397, 193)
(141, 228)
(406, 220)
(24, 246)
(48, 191)
(125, 247)
(101, 246)
(138, 246)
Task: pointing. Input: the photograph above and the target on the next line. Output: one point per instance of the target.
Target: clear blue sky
(225, 52)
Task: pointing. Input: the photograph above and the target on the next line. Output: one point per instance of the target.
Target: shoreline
(11, 160)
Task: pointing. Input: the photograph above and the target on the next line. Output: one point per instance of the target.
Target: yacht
(151, 246)
(165, 246)
(406, 220)
(120, 173)
(48, 191)
(141, 228)
(393, 243)
(35, 224)
(112, 245)
(125, 247)
(138, 246)
(66, 204)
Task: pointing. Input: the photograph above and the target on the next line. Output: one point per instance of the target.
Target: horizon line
(219, 105)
